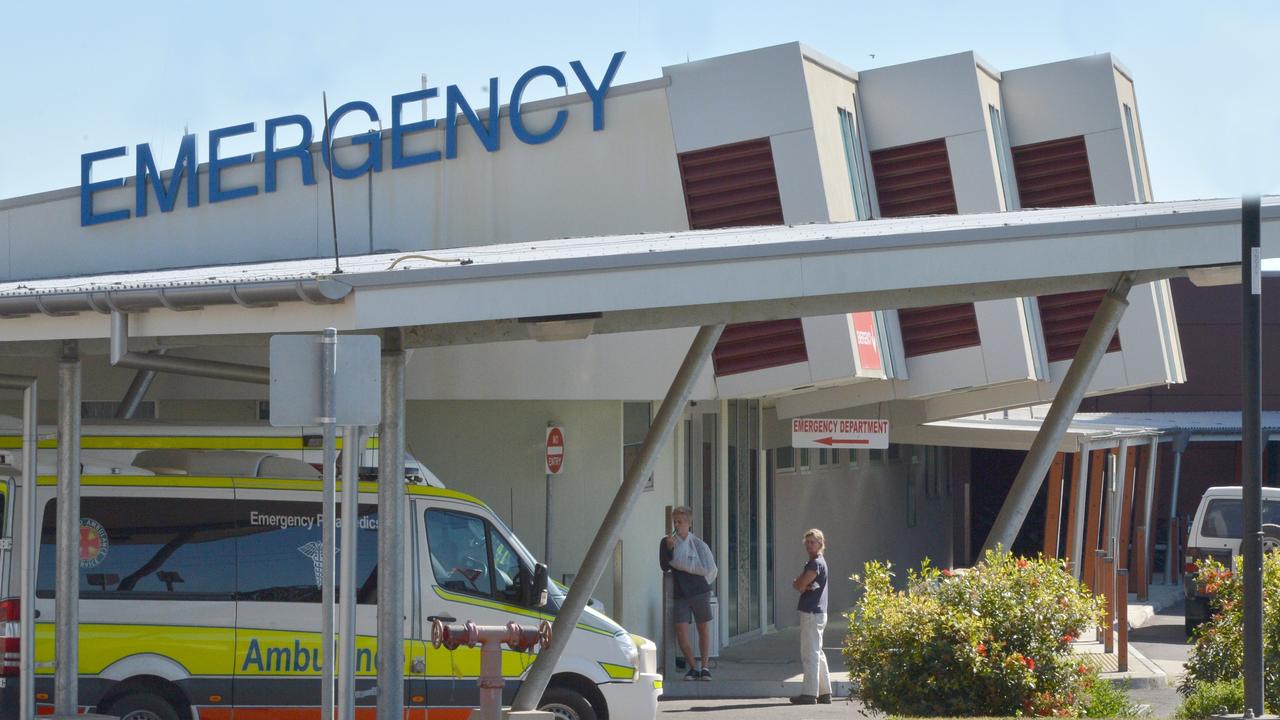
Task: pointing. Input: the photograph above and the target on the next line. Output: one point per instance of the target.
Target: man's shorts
(698, 606)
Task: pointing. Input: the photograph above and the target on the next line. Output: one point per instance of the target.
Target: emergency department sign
(837, 433)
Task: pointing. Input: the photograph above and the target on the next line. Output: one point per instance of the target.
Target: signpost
(872, 434)
(554, 463)
(329, 381)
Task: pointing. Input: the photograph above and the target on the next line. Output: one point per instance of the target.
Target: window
(1133, 154)
(280, 552)
(853, 163)
(1002, 157)
(786, 459)
(106, 410)
(1223, 518)
(824, 456)
(636, 417)
(469, 555)
(804, 459)
(155, 548)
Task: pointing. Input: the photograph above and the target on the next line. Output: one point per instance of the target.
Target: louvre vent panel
(1053, 173)
(938, 329)
(731, 185)
(1065, 318)
(756, 346)
(914, 180)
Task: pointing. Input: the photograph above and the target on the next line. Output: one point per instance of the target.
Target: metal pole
(352, 445)
(1065, 403)
(391, 514)
(1082, 502)
(1148, 523)
(1251, 447)
(1115, 505)
(547, 522)
(607, 536)
(328, 400)
(1180, 441)
(67, 589)
(27, 544)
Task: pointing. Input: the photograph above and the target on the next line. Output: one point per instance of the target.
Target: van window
(132, 547)
(1222, 517)
(469, 555)
(279, 551)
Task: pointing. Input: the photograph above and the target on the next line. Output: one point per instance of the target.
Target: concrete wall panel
(1061, 99)
(830, 92)
(921, 100)
(800, 181)
(1109, 167)
(974, 173)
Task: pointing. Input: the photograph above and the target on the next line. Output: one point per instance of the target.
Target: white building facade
(779, 135)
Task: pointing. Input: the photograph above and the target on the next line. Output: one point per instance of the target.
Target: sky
(80, 77)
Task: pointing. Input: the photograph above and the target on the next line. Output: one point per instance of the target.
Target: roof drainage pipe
(1065, 403)
(215, 369)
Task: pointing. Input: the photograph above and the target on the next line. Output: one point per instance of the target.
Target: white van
(1215, 534)
(200, 601)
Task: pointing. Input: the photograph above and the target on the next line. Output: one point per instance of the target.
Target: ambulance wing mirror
(534, 590)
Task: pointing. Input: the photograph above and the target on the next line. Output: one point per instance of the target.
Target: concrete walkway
(769, 666)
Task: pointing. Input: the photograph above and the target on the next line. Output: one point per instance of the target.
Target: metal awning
(1015, 429)
(650, 281)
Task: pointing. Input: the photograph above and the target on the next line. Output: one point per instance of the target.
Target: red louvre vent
(1065, 318)
(755, 346)
(1053, 173)
(914, 180)
(938, 329)
(731, 185)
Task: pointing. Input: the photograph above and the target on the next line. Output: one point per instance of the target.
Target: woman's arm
(804, 580)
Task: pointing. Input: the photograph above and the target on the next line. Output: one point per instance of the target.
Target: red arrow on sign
(829, 441)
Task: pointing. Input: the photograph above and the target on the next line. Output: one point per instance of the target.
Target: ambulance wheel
(143, 706)
(565, 704)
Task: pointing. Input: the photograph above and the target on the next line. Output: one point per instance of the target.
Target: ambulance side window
(459, 552)
(506, 568)
(157, 548)
(279, 552)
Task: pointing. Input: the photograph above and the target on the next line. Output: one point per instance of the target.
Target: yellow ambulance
(200, 598)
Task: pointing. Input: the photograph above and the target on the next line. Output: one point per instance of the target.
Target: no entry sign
(836, 433)
(555, 450)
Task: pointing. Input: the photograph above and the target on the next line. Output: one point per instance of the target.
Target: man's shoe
(705, 675)
(803, 700)
(824, 699)
(692, 675)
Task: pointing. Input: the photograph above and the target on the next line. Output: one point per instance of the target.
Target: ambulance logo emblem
(93, 543)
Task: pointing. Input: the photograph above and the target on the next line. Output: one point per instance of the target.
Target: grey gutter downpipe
(601, 549)
(27, 545)
(121, 357)
(137, 391)
(1065, 403)
(1181, 439)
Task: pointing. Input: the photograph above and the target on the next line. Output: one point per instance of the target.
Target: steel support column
(67, 587)
(1065, 403)
(1251, 448)
(601, 549)
(27, 544)
(391, 504)
(1180, 441)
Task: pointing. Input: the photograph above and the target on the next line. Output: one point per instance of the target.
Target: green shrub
(1212, 698)
(994, 640)
(1103, 699)
(1219, 642)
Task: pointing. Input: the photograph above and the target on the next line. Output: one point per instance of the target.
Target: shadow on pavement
(719, 708)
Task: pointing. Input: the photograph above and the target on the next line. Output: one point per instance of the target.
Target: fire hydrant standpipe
(490, 638)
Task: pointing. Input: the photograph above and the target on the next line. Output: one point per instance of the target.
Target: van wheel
(565, 704)
(1270, 538)
(143, 706)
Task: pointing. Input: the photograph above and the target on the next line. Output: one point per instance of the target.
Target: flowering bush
(994, 640)
(1219, 649)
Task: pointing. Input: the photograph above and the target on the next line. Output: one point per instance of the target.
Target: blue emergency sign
(148, 179)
